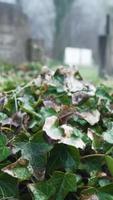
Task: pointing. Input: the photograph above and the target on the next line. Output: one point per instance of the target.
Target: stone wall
(14, 32)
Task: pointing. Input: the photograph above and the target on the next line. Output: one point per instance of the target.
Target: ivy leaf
(103, 92)
(42, 191)
(104, 196)
(107, 189)
(26, 104)
(62, 134)
(59, 185)
(35, 150)
(47, 112)
(74, 85)
(8, 187)
(72, 137)
(3, 116)
(64, 183)
(89, 197)
(19, 170)
(58, 76)
(98, 196)
(92, 117)
(4, 150)
(63, 157)
(109, 161)
(108, 136)
(51, 128)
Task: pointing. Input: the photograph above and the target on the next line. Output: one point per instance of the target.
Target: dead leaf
(91, 117)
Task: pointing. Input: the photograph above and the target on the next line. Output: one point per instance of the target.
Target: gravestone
(105, 46)
(14, 31)
(34, 50)
(102, 45)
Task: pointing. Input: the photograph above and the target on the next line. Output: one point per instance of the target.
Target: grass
(90, 74)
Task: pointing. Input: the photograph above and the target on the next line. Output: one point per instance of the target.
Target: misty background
(77, 23)
(80, 26)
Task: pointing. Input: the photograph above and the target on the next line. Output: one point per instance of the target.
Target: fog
(8, 1)
(82, 23)
(86, 19)
(42, 16)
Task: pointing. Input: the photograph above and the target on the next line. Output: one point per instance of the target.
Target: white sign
(76, 56)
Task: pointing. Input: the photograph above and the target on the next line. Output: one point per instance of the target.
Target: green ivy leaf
(47, 112)
(3, 116)
(104, 196)
(97, 196)
(58, 186)
(42, 191)
(4, 150)
(109, 161)
(107, 189)
(64, 183)
(8, 187)
(63, 157)
(35, 150)
(108, 136)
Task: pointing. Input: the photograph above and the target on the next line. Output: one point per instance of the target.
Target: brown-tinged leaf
(19, 169)
(79, 97)
(69, 138)
(92, 117)
(92, 197)
(62, 134)
(54, 132)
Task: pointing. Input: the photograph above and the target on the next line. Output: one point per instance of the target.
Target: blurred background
(75, 33)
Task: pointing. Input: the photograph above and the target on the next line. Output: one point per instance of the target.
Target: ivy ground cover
(56, 139)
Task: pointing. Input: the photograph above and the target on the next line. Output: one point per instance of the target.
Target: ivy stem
(93, 155)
